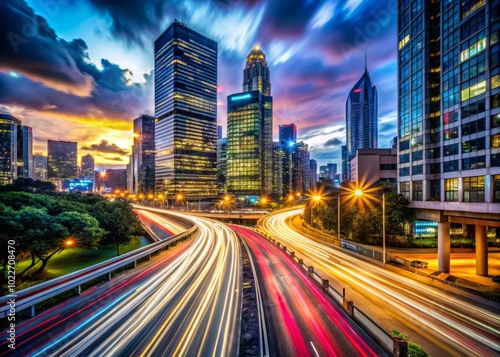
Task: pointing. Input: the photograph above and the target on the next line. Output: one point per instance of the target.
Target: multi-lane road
(446, 323)
(185, 302)
(300, 319)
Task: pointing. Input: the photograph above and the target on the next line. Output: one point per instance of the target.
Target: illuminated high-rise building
(288, 134)
(40, 167)
(61, 161)
(256, 73)
(8, 148)
(449, 117)
(250, 131)
(142, 159)
(24, 151)
(185, 113)
(87, 167)
(361, 118)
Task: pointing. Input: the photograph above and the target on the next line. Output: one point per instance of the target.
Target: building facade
(371, 166)
(288, 134)
(61, 161)
(249, 144)
(332, 170)
(313, 173)
(142, 159)
(87, 167)
(222, 165)
(185, 113)
(8, 148)
(361, 118)
(250, 131)
(278, 162)
(24, 151)
(449, 116)
(39, 167)
(343, 155)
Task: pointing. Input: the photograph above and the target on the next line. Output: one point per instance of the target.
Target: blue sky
(82, 70)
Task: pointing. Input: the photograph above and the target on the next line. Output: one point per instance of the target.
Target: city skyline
(95, 97)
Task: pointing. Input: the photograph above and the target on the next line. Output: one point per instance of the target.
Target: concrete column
(481, 251)
(444, 247)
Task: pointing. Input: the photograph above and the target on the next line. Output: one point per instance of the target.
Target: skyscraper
(256, 73)
(288, 133)
(24, 151)
(343, 150)
(87, 167)
(142, 159)
(278, 162)
(332, 170)
(222, 165)
(295, 168)
(250, 131)
(8, 148)
(61, 161)
(313, 173)
(185, 112)
(40, 167)
(449, 116)
(361, 117)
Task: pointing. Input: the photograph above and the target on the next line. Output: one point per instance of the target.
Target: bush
(414, 350)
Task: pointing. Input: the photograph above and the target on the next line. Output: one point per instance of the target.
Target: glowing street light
(68, 242)
(314, 198)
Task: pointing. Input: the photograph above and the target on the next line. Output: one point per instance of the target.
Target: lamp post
(315, 199)
(356, 193)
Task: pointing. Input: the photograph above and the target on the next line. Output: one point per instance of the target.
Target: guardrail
(384, 338)
(26, 299)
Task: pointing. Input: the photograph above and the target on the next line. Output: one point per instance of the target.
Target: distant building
(142, 159)
(222, 165)
(361, 118)
(278, 162)
(394, 143)
(288, 134)
(61, 161)
(323, 171)
(313, 173)
(371, 166)
(345, 175)
(332, 170)
(40, 167)
(115, 179)
(295, 168)
(8, 148)
(219, 132)
(24, 151)
(303, 174)
(87, 167)
(185, 113)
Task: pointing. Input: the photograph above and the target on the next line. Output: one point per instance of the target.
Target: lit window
(473, 50)
(404, 41)
(495, 81)
(473, 90)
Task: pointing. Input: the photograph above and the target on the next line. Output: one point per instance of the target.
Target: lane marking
(315, 350)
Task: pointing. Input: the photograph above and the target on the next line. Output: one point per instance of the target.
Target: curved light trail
(187, 306)
(453, 324)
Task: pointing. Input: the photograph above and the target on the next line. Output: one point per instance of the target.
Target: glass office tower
(361, 118)
(449, 106)
(250, 131)
(24, 151)
(61, 161)
(142, 159)
(249, 157)
(287, 134)
(8, 148)
(185, 113)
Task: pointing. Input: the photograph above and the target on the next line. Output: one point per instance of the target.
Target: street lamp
(357, 193)
(290, 199)
(263, 200)
(315, 199)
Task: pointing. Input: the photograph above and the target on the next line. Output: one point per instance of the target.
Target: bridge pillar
(481, 251)
(444, 247)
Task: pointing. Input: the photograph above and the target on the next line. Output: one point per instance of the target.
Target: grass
(71, 260)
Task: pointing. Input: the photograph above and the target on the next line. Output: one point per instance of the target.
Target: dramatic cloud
(106, 147)
(30, 47)
(334, 142)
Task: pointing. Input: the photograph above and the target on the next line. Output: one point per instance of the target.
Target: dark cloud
(30, 46)
(114, 158)
(105, 147)
(333, 142)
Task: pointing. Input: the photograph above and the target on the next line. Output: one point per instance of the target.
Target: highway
(444, 321)
(185, 301)
(300, 319)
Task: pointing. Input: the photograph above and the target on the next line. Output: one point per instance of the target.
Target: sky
(83, 70)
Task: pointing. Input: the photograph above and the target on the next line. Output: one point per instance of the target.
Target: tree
(42, 236)
(83, 227)
(9, 229)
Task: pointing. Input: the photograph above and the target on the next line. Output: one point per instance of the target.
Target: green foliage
(414, 350)
(83, 227)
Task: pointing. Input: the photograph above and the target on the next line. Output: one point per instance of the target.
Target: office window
(451, 190)
(496, 189)
(404, 189)
(495, 121)
(475, 162)
(404, 145)
(433, 153)
(435, 190)
(495, 81)
(404, 158)
(473, 108)
(495, 141)
(451, 149)
(404, 171)
(474, 127)
(435, 168)
(474, 189)
(473, 91)
(451, 133)
(417, 170)
(417, 190)
(473, 145)
(450, 166)
(495, 101)
(450, 117)
(495, 160)
(417, 155)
